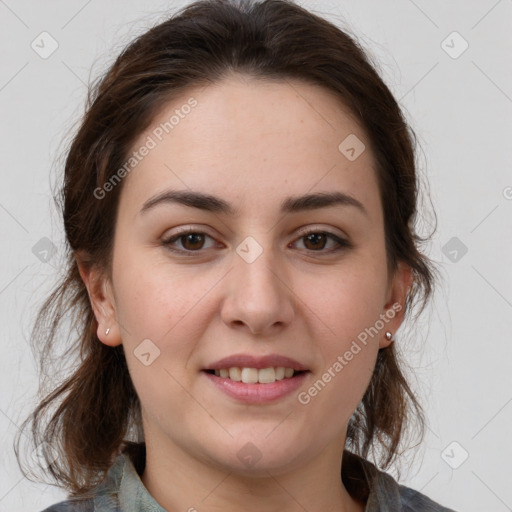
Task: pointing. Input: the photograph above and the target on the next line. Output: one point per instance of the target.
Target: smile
(252, 391)
(255, 375)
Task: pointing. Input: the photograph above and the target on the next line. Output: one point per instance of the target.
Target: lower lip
(257, 393)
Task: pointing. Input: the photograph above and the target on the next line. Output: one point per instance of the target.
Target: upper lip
(248, 361)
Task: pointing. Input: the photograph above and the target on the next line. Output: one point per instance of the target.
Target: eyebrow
(215, 204)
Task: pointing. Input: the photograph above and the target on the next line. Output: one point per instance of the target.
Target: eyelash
(342, 244)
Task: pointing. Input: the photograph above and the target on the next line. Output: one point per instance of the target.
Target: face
(283, 266)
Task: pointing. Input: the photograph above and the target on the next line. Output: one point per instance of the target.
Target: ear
(394, 308)
(101, 296)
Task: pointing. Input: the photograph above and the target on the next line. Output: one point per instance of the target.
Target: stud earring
(388, 335)
(107, 331)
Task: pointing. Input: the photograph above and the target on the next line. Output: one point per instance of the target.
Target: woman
(239, 203)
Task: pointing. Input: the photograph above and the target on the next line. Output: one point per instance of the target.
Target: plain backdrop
(449, 65)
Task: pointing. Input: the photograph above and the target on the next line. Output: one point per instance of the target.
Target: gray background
(459, 104)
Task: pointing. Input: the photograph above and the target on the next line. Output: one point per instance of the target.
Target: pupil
(192, 239)
(316, 238)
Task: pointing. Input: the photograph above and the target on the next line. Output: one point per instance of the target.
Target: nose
(258, 295)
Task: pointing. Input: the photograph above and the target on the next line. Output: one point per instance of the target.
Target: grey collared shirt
(123, 491)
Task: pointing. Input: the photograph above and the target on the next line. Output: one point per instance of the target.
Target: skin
(252, 143)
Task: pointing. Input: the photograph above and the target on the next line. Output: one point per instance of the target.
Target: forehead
(253, 139)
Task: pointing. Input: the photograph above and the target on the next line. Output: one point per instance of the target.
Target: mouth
(248, 390)
(249, 375)
(256, 369)
(256, 380)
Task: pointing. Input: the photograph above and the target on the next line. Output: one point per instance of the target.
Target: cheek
(160, 326)
(348, 350)
(347, 308)
(162, 312)
(346, 301)
(153, 297)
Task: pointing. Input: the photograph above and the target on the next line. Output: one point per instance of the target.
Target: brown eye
(189, 241)
(315, 241)
(322, 242)
(192, 241)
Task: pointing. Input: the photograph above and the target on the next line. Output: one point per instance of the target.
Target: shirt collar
(133, 495)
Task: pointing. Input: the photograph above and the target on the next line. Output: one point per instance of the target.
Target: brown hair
(93, 412)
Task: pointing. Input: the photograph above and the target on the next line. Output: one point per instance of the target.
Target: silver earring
(388, 335)
(107, 331)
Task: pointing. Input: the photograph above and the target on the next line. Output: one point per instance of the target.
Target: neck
(178, 481)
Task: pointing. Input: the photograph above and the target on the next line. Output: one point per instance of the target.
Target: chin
(255, 456)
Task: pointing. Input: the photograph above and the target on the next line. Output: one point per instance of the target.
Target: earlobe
(394, 309)
(101, 298)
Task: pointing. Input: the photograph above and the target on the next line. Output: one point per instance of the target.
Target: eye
(317, 241)
(190, 240)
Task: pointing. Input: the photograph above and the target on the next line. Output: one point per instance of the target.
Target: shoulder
(100, 502)
(380, 491)
(72, 506)
(386, 490)
(104, 497)
(414, 501)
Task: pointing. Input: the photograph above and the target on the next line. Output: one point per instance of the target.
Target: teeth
(250, 375)
(235, 374)
(253, 375)
(267, 375)
(280, 373)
